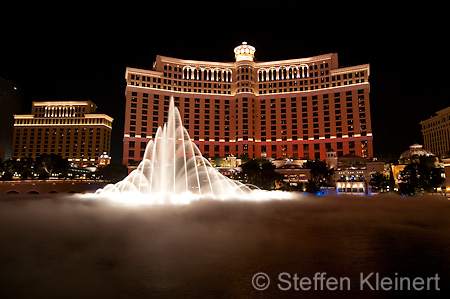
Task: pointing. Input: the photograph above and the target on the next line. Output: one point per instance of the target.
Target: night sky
(80, 53)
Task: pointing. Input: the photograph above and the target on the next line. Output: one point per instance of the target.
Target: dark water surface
(67, 247)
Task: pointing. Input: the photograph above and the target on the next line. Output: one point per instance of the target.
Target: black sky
(80, 53)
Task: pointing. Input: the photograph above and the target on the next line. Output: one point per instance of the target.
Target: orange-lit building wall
(288, 109)
(72, 129)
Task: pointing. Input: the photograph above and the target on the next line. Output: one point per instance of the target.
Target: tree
(24, 167)
(268, 175)
(409, 179)
(47, 165)
(261, 173)
(251, 170)
(391, 182)
(7, 168)
(430, 176)
(244, 158)
(319, 170)
(379, 182)
(420, 176)
(114, 172)
(312, 187)
(320, 175)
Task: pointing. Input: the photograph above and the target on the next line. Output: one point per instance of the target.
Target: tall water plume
(174, 170)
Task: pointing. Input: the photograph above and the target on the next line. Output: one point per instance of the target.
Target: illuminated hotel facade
(436, 132)
(71, 129)
(295, 108)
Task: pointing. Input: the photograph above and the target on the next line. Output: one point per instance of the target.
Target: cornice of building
(287, 62)
(142, 72)
(184, 62)
(354, 68)
(62, 103)
(99, 115)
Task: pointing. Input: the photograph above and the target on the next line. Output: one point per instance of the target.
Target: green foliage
(261, 174)
(380, 183)
(420, 176)
(114, 172)
(44, 166)
(320, 175)
(244, 158)
(319, 171)
(312, 187)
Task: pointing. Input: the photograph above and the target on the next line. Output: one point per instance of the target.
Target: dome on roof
(415, 150)
(244, 52)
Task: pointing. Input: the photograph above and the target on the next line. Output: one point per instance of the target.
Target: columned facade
(296, 108)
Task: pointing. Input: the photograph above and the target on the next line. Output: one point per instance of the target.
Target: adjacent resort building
(295, 108)
(436, 132)
(72, 129)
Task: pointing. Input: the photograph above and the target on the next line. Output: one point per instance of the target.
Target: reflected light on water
(163, 198)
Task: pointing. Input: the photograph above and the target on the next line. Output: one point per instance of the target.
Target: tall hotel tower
(296, 108)
(72, 129)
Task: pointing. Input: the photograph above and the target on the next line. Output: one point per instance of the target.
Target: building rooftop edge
(95, 115)
(442, 111)
(86, 115)
(261, 63)
(49, 103)
(297, 60)
(445, 110)
(350, 68)
(143, 71)
(190, 61)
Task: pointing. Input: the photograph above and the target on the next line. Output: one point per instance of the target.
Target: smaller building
(104, 160)
(331, 159)
(415, 151)
(446, 161)
(71, 129)
(436, 132)
(413, 154)
(228, 171)
(353, 174)
(293, 173)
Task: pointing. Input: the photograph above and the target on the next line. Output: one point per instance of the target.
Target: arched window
(306, 71)
(272, 74)
(229, 73)
(282, 73)
(303, 71)
(218, 73)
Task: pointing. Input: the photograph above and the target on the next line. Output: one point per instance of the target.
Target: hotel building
(71, 129)
(296, 108)
(436, 132)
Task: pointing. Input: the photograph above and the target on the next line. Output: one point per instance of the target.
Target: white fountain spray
(173, 170)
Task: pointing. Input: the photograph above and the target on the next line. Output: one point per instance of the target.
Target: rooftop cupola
(244, 52)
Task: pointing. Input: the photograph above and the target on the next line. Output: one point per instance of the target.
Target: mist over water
(73, 247)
